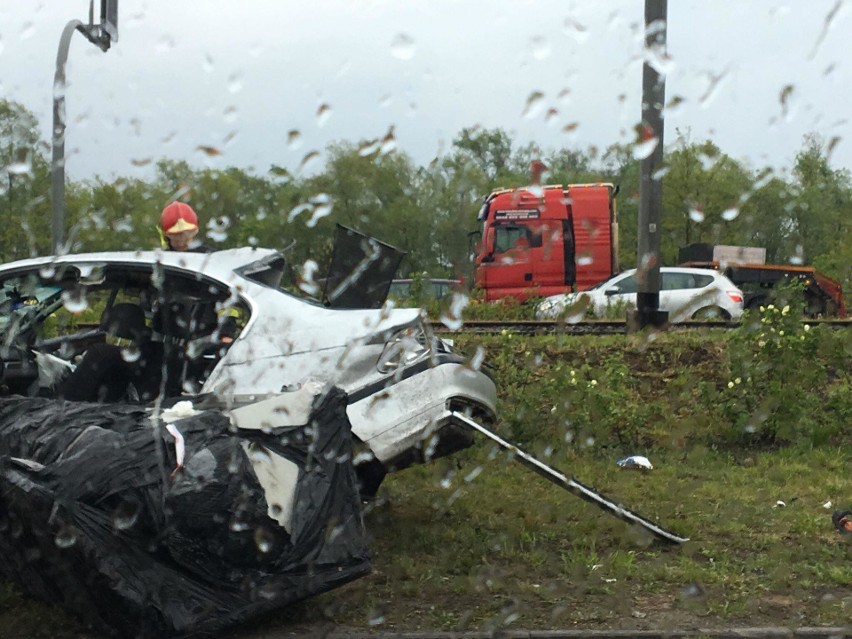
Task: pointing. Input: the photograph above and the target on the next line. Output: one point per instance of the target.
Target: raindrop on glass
(576, 30)
(323, 206)
(66, 537)
(263, 539)
(309, 158)
(230, 114)
(368, 148)
(645, 149)
(730, 214)
(294, 138)
(534, 105)
(75, 300)
(208, 64)
(388, 143)
(131, 353)
(235, 83)
(125, 515)
(165, 44)
(541, 48)
(402, 47)
(323, 114)
(696, 215)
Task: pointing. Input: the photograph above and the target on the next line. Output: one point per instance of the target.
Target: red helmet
(178, 217)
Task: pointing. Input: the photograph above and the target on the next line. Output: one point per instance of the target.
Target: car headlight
(404, 348)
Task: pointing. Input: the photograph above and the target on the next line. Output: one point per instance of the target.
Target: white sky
(241, 75)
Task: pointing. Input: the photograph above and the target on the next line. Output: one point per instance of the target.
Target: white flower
(785, 310)
(807, 327)
(730, 384)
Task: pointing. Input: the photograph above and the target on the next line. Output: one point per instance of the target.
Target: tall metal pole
(650, 187)
(101, 36)
(57, 167)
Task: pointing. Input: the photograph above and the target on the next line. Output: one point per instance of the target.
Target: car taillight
(736, 296)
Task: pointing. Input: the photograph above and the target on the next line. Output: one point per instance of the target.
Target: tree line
(800, 216)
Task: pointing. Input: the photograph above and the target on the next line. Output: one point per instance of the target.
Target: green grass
(477, 542)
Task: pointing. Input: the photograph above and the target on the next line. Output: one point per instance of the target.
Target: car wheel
(711, 313)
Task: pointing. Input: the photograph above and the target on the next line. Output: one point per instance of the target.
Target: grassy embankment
(732, 421)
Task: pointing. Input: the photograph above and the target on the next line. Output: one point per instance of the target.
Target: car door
(618, 294)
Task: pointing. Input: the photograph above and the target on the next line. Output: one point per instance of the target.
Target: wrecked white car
(217, 329)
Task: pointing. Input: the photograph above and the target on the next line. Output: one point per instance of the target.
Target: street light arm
(57, 166)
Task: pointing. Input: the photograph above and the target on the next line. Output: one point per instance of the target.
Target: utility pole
(101, 35)
(650, 187)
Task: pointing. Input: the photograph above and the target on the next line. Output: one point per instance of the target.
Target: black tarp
(94, 516)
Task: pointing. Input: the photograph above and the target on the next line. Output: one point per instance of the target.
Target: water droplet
(576, 312)
(323, 114)
(786, 100)
(541, 48)
(66, 537)
(208, 64)
(576, 30)
(235, 83)
(674, 105)
(478, 358)
(402, 47)
(237, 525)
(22, 165)
(141, 161)
(131, 353)
(696, 214)
(217, 228)
(730, 214)
(584, 259)
(259, 455)
(452, 317)
(210, 151)
(323, 205)
(230, 114)
(551, 115)
(534, 105)
(75, 300)
(644, 149)
(388, 143)
(28, 30)
(294, 139)
(263, 538)
(376, 616)
(310, 157)
(125, 515)
(307, 282)
(368, 148)
(165, 44)
(571, 127)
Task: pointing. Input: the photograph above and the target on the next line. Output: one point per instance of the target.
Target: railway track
(596, 327)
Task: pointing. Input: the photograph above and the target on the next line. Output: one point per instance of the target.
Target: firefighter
(178, 228)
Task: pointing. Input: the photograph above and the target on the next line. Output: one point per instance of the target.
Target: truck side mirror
(612, 290)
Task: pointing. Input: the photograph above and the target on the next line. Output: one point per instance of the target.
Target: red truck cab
(540, 241)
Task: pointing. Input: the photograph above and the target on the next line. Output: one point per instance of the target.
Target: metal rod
(573, 486)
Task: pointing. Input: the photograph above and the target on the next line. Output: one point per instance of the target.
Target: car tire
(711, 313)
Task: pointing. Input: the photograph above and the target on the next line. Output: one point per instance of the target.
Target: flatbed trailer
(823, 295)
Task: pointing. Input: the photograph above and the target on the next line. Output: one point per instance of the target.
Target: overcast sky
(273, 82)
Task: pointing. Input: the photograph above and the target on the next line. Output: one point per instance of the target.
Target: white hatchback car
(685, 293)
